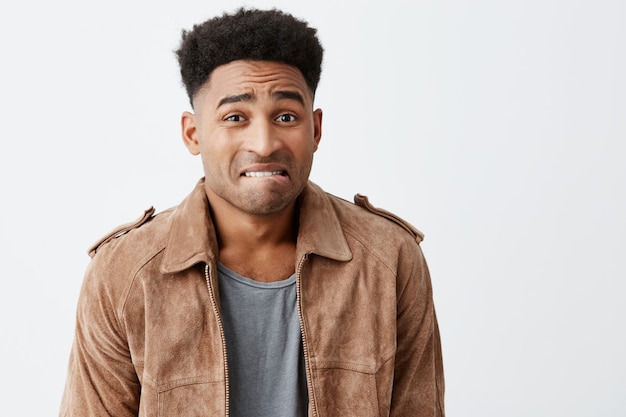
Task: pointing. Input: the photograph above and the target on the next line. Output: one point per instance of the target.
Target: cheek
(220, 160)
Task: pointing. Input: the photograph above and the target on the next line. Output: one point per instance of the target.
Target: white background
(495, 127)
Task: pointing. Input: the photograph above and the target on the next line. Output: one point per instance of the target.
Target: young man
(259, 295)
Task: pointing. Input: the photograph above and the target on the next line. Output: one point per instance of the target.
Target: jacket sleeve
(101, 379)
(418, 388)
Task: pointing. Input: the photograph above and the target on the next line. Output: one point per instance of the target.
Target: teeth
(262, 174)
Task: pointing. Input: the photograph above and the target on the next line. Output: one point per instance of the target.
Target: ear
(189, 132)
(317, 127)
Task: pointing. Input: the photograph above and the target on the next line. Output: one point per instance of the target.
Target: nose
(262, 138)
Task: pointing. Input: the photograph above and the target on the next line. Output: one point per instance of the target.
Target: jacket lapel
(192, 238)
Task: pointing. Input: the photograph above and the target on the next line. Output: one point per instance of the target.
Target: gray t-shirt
(264, 346)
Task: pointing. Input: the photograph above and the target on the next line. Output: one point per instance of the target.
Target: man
(259, 295)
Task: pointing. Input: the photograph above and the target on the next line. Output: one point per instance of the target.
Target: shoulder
(121, 230)
(119, 256)
(363, 202)
(373, 224)
(129, 245)
(377, 235)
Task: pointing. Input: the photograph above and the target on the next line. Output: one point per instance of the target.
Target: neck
(250, 232)
(260, 247)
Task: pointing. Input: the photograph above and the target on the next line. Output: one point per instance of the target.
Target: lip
(265, 168)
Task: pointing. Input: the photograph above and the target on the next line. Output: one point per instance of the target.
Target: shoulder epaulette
(362, 201)
(120, 230)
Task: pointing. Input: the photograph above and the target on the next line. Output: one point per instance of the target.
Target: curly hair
(251, 34)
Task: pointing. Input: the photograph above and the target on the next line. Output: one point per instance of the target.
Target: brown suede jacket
(149, 339)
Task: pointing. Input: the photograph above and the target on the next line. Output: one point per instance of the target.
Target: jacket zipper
(305, 347)
(222, 336)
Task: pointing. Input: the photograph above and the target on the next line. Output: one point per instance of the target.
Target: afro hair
(248, 34)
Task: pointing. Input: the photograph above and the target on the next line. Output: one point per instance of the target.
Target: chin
(266, 210)
(265, 203)
(267, 207)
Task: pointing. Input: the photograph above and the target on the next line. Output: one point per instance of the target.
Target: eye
(234, 118)
(286, 118)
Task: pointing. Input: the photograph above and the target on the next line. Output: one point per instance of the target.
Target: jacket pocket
(192, 399)
(345, 392)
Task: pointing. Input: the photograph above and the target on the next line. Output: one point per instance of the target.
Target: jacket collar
(192, 238)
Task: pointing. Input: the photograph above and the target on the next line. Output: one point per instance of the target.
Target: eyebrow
(288, 95)
(277, 95)
(234, 99)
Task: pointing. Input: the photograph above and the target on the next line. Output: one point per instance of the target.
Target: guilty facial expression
(256, 131)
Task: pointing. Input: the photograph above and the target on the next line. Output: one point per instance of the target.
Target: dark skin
(263, 250)
(256, 130)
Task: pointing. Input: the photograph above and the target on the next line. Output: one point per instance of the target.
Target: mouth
(259, 174)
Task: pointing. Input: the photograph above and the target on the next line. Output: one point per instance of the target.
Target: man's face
(256, 131)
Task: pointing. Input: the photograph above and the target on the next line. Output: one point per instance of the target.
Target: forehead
(256, 78)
